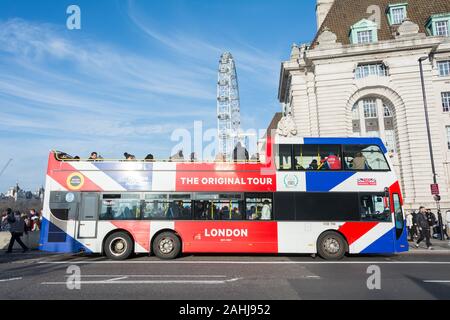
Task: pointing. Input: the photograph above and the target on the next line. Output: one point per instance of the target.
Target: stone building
(360, 77)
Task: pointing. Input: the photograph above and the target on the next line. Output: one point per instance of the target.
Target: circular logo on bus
(290, 181)
(75, 181)
(70, 197)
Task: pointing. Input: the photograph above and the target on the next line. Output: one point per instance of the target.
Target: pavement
(418, 274)
(438, 246)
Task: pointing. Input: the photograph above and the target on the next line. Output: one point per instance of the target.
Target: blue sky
(134, 73)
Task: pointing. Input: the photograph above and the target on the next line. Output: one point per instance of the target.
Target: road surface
(219, 277)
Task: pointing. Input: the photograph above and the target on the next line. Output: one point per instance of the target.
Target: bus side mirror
(386, 192)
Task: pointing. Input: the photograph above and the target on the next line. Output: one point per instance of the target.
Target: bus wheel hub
(331, 245)
(118, 246)
(166, 245)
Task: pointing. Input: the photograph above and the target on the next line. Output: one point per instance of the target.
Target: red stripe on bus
(355, 230)
(231, 181)
(228, 236)
(64, 178)
(140, 230)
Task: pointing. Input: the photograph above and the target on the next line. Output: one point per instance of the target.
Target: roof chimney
(322, 9)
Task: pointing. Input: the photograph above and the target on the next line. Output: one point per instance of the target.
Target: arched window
(374, 117)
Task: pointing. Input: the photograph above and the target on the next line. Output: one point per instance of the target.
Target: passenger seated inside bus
(236, 214)
(333, 161)
(375, 208)
(313, 165)
(251, 212)
(225, 213)
(323, 165)
(173, 212)
(359, 162)
(266, 211)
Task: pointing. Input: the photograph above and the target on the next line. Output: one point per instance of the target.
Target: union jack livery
(331, 196)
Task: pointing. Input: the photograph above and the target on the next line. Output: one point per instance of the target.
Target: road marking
(436, 281)
(117, 279)
(113, 281)
(11, 279)
(244, 262)
(148, 276)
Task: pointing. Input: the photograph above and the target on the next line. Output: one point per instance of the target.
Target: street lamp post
(430, 146)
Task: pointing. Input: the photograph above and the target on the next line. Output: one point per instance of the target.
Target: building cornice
(380, 47)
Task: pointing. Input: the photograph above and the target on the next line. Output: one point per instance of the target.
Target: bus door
(88, 215)
(401, 240)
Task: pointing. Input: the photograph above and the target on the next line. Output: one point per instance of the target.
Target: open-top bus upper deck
(284, 167)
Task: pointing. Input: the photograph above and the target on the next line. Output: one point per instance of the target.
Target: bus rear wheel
(166, 245)
(118, 246)
(331, 246)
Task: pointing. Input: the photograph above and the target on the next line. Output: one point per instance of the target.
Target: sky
(134, 75)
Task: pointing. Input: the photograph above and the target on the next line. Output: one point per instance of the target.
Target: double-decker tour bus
(330, 196)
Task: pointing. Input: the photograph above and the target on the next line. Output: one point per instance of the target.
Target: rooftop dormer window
(364, 31)
(442, 28)
(438, 25)
(396, 13)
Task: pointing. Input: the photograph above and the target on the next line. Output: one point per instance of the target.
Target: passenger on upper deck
(93, 157)
(129, 156)
(63, 156)
(220, 157)
(240, 153)
(255, 157)
(149, 158)
(177, 157)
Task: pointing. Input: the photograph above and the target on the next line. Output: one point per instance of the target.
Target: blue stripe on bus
(324, 181)
(384, 244)
(375, 141)
(65, 244)
(402, 245)
(123, 166)
(132, 180)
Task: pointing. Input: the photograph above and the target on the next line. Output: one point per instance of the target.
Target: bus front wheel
(118, 246)
(331, 246)
(167, 245)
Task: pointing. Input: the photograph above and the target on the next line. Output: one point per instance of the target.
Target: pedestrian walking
(432, 221)
(4, 223)
(17, 228)
(447, 219)
(415, 229)
(409, 226)
(424, 228)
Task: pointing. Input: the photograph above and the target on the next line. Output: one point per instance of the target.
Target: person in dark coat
(415, 228)
(240, 153)
(424, 228)
(17, 228)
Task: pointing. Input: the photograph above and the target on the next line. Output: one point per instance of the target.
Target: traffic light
(437, 197)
